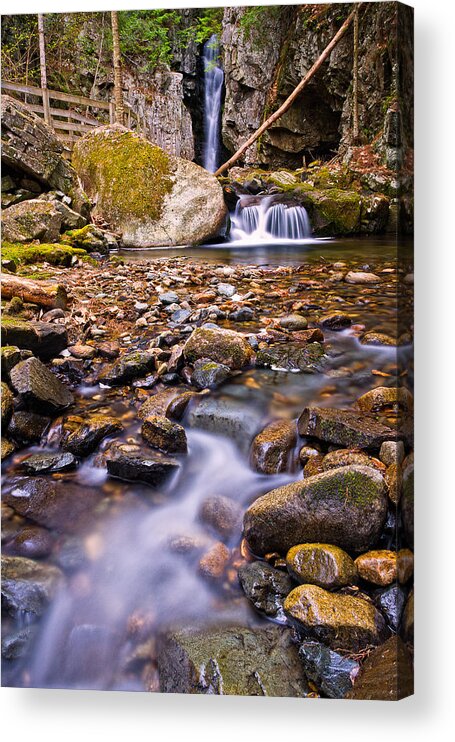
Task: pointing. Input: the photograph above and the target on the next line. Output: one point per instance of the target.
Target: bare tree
(118, 92)
(42, 61)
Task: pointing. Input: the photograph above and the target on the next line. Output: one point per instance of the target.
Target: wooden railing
(69, 124)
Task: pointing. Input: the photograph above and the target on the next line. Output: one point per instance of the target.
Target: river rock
(271, 448)
(266, 587)
(27, 427)
(178, 405)
(31, 220)
(128, 367)
(56, 504)
(341, 621)
(158, 403)
(391, 603)
(337, 321)
(161, 433)
(213, 563)
(407, 628)
(28, 586)
(405, 565)
(407, 504)
(6, 403)
(393, 479)
(386, 675)
(222, 346)
(81, 435)
(377, 338)
(309, 358)
(151, 198)
(313, 466)
(343, 427)
(7, 448)
(18, 643)
(38, 388)
(226, 289)
(208, 374)
(222, 514)
(346, 507)
(10, 355)
(392, 452)
(44, 339)
(332, 673)
(135, 464)
(383, 396)
(293, 322)
(48, 462)
(242, 314)
(378, 567)
(321, 564)
(31, 541)
(227, 417)
(361, 277)
(231, 661)
(346, 457)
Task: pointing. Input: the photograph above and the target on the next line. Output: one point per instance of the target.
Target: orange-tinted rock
(378, 567)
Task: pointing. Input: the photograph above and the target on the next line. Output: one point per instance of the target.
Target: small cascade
(213, 88)
(263, 220)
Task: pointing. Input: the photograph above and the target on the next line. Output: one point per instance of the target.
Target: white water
(262, 220)
(213, 87)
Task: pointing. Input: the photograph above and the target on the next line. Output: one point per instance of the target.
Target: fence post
(46, 107)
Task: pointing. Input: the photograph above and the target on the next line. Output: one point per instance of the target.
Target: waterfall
(261, 219)
(213, 87)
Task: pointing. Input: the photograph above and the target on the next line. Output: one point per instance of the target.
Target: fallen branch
(289, 101)
(49, 295)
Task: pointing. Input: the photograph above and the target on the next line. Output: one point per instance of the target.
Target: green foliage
(146, 33)
(252, 18)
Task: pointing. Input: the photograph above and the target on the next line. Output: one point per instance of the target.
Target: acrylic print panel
(207, 350)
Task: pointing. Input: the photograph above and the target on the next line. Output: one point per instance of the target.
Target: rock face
(31, 147)
(31, 220)
(150, 197)
(346, 507)
(28, 586)
(321, 564)
(231, 661)
(38, 388)
(344, 428)
(340, 621)
(387, 674)
(222, 346)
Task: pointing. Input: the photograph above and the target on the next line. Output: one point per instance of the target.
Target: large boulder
(31, 220)
(31, 147)
(346, 507)
(222, 346)
(150, 197)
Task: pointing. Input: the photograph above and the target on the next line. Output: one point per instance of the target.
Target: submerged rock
(344, 427)
(161, 433)
(231, 661)
(226, 417)
(47, 462)
(81, 435)
(361, 277)
(309, 358)
(222, 346)
(38, 388)
(18, 643)
(266, 587)
(341, 621)
(213, 563)
(332, 673)
(271, 449)
(31, 541)
(208, 374)
(321, 564)
(134, 464)
(387, 674)
(222, 514)
(28, 586)
(294, 322)
(346, 507)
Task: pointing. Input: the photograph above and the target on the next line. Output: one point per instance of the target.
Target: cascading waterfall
(259, 220)
(213, 87)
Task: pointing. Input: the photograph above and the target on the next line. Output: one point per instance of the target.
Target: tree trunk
(42, 62)
(49, 295)
(355, 80)
(289, 101)
(118, 92)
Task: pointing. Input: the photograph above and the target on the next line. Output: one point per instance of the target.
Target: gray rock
(70, 218)
(231, 661)
(38, 388)
(128, 367)
(332, 673)
(208, 374)
(28, 586)
(294, 322)
(392, 452)
(309, 358)
(243, 314)
(17, 644)
(136, 464)
(391, 603)
(344, 427)
(226, 417)
(226, 289)
(44, 339)
(31, 220)
(45, 463)
(169, 297)
(346, 507)
(266, 587)
(81, 435)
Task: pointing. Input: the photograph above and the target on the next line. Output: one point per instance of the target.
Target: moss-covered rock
(88, 238)
(31, 220)
(55, 254)
(333, 211)
(321, 564)
(148, 196)
(344, 427)
(222, 346)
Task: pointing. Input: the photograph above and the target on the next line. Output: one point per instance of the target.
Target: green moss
(338, 211)
(54, 254)
(130, 175)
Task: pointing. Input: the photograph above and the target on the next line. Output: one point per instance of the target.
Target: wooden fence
(68, 123)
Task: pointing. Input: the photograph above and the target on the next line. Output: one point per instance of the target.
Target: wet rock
(407, 628)
(128, 367)
(108, 349)
(378, 567)
(168, 297)
(213, 563)
(345, 457)
(405, 565)
(46, 463)
(387, 674)
(18, 644)
(391, 603)
(266, 587)
(81, 435)
(177, 407)
(31, 220)
(208, 374)
(306, 453)
(86, 352)
(7, 448)
(222, 514)
(231, 661)
(226, 417)
(10, 355)
(341, 621)
(383, 396)
(161, 433)
(313, 466)
(243, 314)
(222, 346)
(336, 321)
(393, 480)
(38, 388)
(134, 464)
(45, 339)
(28, 586)
(70, 554)
(343, 427)
(407, 504)
(271, 449)
(158, 403)
(53, 314)
(56, 504)
(6, 403)
(309, 358)
(332, 673)
(294, 322)
(31, 541)
(392, 452)
(361, 277)
(321, 564)
(377, 338)
(346, 507)
(27, 427)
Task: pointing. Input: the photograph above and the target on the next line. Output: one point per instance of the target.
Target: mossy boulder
(31, 220)
(321, 564)
(89, 238)
(341, 621)
(346, 507)
(333, 211)
(53, 253)
(149, 197)
(222, 346)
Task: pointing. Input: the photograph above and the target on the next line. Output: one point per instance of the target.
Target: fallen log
(42, 293)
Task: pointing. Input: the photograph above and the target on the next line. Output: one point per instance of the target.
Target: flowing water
(213, 88)
(261, 220)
